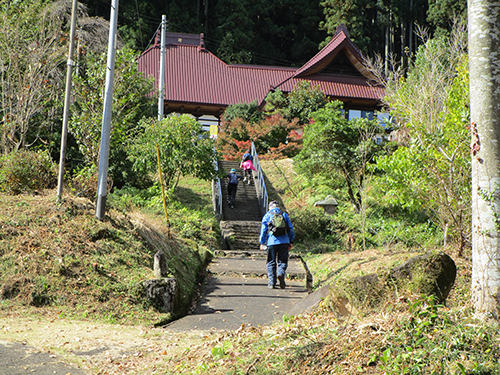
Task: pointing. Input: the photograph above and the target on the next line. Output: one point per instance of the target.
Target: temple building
(199, 83)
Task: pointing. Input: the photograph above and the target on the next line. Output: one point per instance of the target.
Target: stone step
(253, 267)
(240, 228)
(240, 234)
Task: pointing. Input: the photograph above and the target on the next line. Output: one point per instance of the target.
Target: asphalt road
(19, 359)
(235, 293)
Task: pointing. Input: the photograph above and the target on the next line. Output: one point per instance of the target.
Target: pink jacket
(248, 165)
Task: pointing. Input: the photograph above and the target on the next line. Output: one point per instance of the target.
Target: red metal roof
(339, 42)
(196, 77)
(339, 87)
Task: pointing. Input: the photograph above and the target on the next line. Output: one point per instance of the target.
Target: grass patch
(59, 257)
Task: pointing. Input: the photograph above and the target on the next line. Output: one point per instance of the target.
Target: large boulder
(431, 274)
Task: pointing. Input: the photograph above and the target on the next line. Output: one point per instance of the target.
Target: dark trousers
(277, 261)
(231, 192)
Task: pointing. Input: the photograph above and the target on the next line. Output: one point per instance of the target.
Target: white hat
(273, 204)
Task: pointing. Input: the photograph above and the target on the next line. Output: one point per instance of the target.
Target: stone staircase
(240, 231)
(240, 226)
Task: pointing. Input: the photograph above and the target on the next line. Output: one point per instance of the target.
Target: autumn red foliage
(274, 138)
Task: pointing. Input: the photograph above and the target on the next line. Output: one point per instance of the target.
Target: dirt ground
(102, 348)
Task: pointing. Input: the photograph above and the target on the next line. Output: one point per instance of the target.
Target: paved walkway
(236, 293)
(19, 359)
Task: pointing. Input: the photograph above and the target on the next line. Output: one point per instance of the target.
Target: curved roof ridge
(340, 41)
(329, 51)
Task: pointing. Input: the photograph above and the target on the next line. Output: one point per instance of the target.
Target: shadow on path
(230, 301)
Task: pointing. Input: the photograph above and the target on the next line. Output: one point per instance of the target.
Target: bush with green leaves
(436, 341)
(334, 145)
(299, 104)
(179, 144)
(131, 103)
(26, 171)
(84, 182)
(247, 112)
(311, 223)
(129, 197)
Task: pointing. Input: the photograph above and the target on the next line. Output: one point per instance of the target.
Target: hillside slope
(60, 257)
(409, 335)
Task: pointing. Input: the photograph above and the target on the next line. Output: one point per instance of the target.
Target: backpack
(278, 225)
(233, 178)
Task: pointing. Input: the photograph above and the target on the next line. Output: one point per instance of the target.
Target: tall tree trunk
(410, 24)
(205, 25)
(403, 42)
(386, 48)
(484, 65)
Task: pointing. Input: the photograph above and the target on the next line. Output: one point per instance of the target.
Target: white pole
(161, 82)
(69, 72)
(102, 183)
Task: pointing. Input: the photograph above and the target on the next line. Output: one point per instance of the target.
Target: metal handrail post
(218, 193)
(261, 186)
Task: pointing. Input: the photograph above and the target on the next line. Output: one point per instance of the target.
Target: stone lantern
(329, 204)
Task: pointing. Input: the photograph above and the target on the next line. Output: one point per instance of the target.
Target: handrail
(260, 185)
(217, 193)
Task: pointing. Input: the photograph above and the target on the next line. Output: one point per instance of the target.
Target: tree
(430, 170)
(265, 32)
(358, 16)
(387, 28)
(184, 149)
(131, 102)
(443, 13)
(299, 104)
(31, 57)
(484, 60)
(247, 112)
(334, 144)
(273, 134)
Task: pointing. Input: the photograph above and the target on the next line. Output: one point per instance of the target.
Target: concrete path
(19, 359)
(236, 293)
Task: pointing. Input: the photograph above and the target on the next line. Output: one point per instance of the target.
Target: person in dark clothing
(278, 246)
(232, 186)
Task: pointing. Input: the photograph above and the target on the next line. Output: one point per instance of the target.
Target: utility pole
(160, 109)
(102, 182)
(161, 83)
(69, 73)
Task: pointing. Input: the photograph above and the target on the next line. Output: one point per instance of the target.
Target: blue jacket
(233, 178)
(270, 239)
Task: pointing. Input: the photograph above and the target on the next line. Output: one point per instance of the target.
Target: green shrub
(128, 197)
(84, 182)
(26, 171)
(312, 223)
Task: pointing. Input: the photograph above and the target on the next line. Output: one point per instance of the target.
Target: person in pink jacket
(247, 165)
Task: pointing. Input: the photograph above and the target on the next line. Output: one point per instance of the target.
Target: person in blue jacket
(277, 247)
